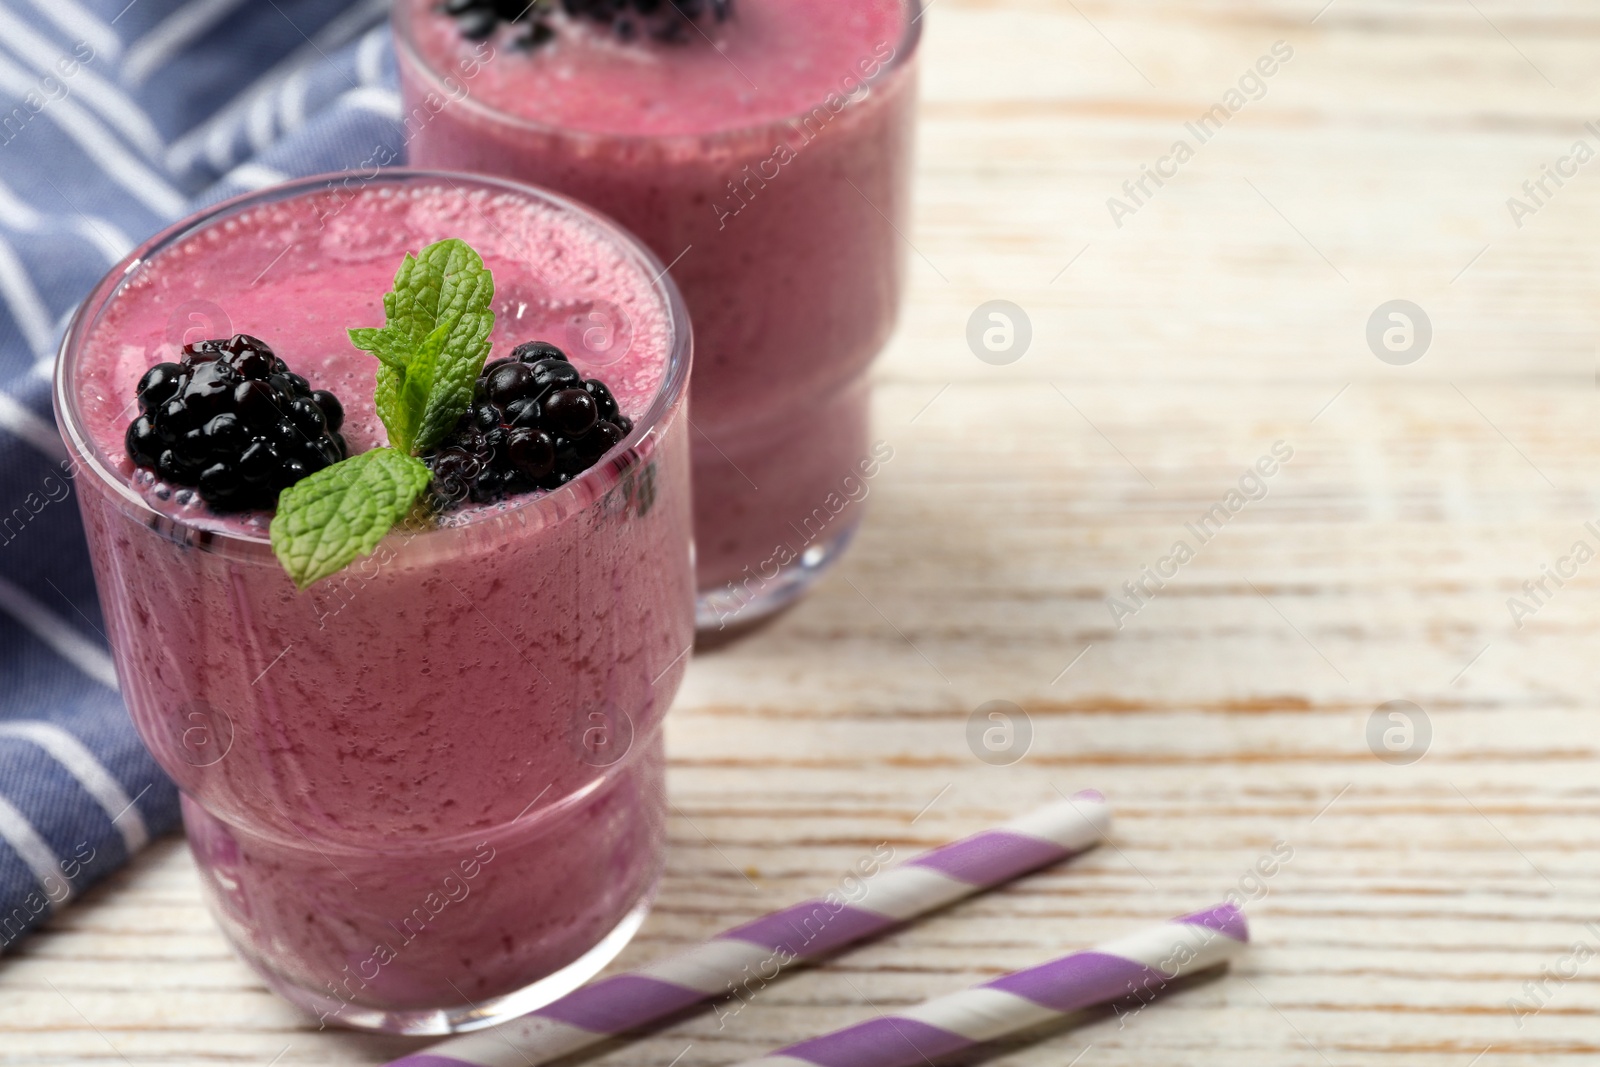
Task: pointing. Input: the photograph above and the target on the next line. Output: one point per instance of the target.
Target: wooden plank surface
(1231, 712)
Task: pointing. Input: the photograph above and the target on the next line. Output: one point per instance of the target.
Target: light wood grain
(1229, 713)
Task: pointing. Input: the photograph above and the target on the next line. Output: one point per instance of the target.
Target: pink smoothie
(437, 774)
(769, 163)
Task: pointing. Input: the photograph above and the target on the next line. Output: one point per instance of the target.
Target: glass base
(442, 1021)
(736, 607)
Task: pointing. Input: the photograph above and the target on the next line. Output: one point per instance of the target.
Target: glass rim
(406, 51)
(554, 505)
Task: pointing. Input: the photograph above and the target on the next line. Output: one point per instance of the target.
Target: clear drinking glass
(785, 237)
(427, 793)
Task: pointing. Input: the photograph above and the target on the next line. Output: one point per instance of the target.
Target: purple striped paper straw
(749, 956)
(1139, 966)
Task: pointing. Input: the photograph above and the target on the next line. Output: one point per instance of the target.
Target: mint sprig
(430, 350)
(325, 521)
(433, 344)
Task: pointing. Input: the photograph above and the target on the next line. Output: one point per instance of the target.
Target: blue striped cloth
(116, 119)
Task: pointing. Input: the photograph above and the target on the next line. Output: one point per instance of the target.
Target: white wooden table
(1230, 713)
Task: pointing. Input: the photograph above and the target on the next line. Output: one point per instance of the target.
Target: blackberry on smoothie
(398, 587)
(762, 148)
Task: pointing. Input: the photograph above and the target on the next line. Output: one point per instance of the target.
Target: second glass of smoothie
(425, 793)
(764, 156)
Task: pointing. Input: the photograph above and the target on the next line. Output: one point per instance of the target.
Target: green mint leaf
(401, 396)
(380, 344)
(421, 382)
(327, 520)
(433, 343)
(456, 365)
(395, 416)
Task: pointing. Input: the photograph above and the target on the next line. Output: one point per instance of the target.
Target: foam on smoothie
(769, 62)
(299, 273)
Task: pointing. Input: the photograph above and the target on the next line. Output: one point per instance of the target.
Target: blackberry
(478, 23)
(553, 373)
(231, 420)
(332, 410)
(662, 20)
(571, 411)
(534, 351)
(538, 35)
(535, 424)
(508, 383)
(604, 402)
(159, 385)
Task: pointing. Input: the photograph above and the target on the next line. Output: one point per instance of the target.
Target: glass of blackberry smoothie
(763, 149)
(415, 712)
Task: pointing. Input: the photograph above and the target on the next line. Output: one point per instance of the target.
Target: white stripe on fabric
(106, 236)
(40, 53)
(90, 773)
(18, 832)
(378, 101)
(262, 124)
(255, 176)
(980, 1014)
(17, 213)
(708, 967)
(19, 421)
(369, 56)
(292, 100)
(219, 147)
(172, 35)
(78, 22)
(530, 1039)
(222, 127)
(1175, 948)
(905, 892)
(1073, 824)
(119, 164)
(67, 642)
(33, 318)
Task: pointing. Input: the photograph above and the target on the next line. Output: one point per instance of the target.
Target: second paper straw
(1137, 968)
